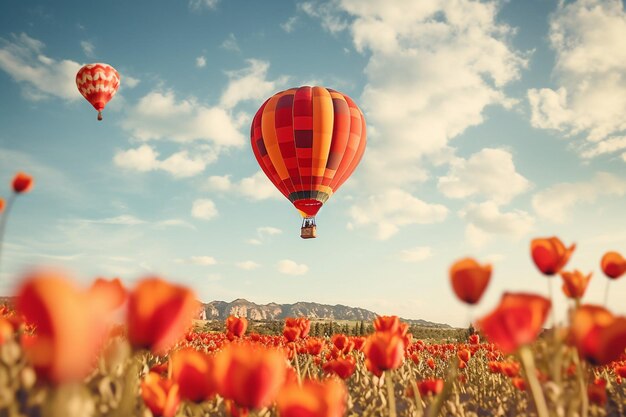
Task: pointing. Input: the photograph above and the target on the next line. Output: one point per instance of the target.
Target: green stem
(390, 395)
(3, 223)
(130, 390)
(295, 354)
(580, 376)
(435, 407)
(418, 398)
(526, 357)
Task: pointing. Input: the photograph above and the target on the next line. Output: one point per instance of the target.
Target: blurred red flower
(469, 279)
(383, 351)
(250, 374)
(236, 326)
(599, 336)
(160, 395)
(613, 265)
(575, 284)
(22, 183)
(108, 294)
(597, 391)
(69, 332)
(193, 372)
(517, 321)
(550, 254)
(313, 399)
(430, 386)
(159, 313)
(342, 367)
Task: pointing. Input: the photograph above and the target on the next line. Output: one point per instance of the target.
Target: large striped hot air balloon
(308, 141)
(98, 83)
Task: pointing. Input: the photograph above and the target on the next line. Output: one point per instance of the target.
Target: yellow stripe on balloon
(270, 139)
(322, 129)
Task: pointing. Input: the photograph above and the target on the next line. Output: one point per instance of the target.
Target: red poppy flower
(326, 398)
(550, 254)
(613, 265)
(193, 372)
(250, 374)
(160, 395)
(22, 183)
(599, 336)
(159, 314)
(517, 321)
(430, 386)
(575, 284)
(469, 279)
(384, 350)
(236, 326)
(61, 351)
(342, 367)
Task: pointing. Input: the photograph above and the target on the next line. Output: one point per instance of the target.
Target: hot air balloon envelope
(98, 83)
(308, 141)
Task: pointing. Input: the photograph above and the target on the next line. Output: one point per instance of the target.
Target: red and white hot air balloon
(98, 83)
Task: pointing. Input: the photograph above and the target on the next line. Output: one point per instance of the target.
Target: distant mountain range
(220, 310)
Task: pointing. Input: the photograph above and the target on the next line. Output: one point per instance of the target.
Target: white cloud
(200, 62)
(197, 5)
(230, 43)
(250, 84)
(175, 222)
(290, 24)
(219, 183)
(143, 159)
(268, 231)
(159, 115)
(264, 234)
(326, 13)
(128, 81)
(255, 187)
(486, 219)
(394, 208)
(590, 98)
(490, 173)
(203, 260)
(88, 48)
(122, 220)
(417, 254)
(433, 67)
(258, 187)
(204, 209)
(180, 164)
(40, 76)
(247, 265)
(555, 202)
(289, 267)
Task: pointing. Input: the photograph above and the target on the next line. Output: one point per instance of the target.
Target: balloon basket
(309, 232)
(308, 229)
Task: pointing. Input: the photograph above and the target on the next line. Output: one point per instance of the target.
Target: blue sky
(489, 123)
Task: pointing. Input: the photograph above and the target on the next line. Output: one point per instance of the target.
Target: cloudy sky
(489, 123)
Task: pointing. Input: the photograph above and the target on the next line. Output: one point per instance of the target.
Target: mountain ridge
(220, 310)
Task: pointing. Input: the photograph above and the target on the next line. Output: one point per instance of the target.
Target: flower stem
(3, 223)
(526, 357)
(435, 408)
(390, 395)
(580, 375)
(295, 354)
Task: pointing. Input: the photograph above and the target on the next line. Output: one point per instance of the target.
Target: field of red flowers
(111, 351)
